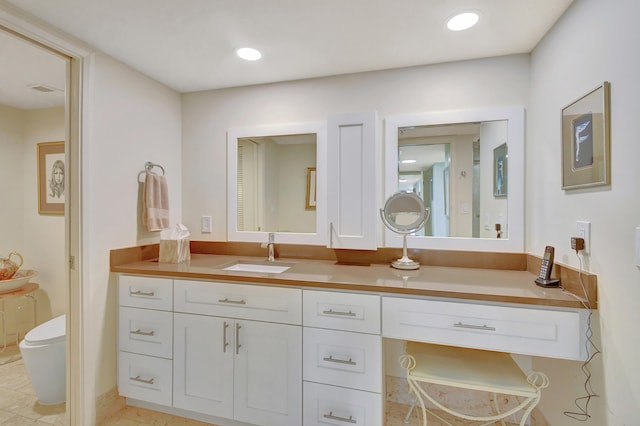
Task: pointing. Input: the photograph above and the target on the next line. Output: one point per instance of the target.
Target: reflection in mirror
(272, 183)
(276, 183)
(429, 156)
(468, 166)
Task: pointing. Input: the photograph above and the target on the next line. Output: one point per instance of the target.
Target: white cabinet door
(203, 364)
(268, 373)
(352, 181)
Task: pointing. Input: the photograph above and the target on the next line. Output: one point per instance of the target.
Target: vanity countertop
(504, 286)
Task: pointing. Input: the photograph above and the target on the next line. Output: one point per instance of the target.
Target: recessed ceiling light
(249, 53)
(463, 21)
(408, 161)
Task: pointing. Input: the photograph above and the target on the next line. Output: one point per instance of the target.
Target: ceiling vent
(44, 89)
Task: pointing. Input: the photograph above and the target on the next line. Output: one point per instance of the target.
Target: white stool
(472, 369)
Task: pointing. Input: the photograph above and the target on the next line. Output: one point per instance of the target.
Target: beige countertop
(506, 286)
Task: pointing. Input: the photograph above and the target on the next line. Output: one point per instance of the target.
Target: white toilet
(44, 353)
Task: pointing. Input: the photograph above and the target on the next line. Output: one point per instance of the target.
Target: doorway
(74, 57)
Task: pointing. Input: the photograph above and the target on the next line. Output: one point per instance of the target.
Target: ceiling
(189, 45)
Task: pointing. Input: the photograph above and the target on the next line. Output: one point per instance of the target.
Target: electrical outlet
(206, 224)
(584, 231)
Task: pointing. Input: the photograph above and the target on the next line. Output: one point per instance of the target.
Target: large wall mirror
(468, 167)
(276, 183)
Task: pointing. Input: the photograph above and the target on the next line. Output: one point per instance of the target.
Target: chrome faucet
(271, 247)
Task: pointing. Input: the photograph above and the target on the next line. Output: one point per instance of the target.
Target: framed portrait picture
(311, 189)
(500, 176)
(585, 140)
(51, 181)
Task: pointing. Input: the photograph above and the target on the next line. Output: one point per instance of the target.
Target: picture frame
(586, 146)
(51, 178)
(500, 171)
(310, 203)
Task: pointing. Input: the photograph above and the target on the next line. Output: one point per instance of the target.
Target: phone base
(548, 283)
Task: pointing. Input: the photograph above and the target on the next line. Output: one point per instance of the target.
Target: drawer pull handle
(143, 333)
(474, 327)
(224, 337)
(345, 314)
(340, 419)
(142, 293)
(339, 361)
(141, 380)
(235, 302)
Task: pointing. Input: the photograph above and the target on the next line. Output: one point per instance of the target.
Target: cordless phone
(544, 279)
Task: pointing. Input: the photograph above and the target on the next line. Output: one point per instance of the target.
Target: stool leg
(413, 405)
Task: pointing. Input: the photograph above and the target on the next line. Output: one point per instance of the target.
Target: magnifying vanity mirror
(276, 183)
(468, 168)
(404, 213)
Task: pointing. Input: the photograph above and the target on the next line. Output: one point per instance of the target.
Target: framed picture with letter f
(586, 146)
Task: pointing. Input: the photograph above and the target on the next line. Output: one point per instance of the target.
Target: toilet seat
(49, 332)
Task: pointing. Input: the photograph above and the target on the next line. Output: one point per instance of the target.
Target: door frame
(80, 410)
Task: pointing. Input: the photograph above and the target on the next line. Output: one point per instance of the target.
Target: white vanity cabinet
(342, 359)
(237, 352)
(351, 181)
(145, 338)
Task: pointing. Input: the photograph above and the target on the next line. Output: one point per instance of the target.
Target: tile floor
(18, 403)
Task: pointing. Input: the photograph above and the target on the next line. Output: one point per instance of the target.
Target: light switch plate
(206, 224)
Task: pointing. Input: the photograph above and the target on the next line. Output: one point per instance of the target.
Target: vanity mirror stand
(404, 213)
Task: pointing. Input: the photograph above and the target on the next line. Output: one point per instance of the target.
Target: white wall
(594, 41)
(207, 115)
(11, 179)
(132, 119)
(38, 238)
(44, 235)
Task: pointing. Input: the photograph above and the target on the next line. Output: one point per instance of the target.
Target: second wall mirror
(468, 167)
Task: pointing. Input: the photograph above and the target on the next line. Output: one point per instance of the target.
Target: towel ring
(149, 165)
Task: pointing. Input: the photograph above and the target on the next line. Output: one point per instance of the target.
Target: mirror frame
(233, 134)
(515, 200)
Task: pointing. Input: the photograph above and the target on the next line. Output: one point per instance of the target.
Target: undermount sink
(260, 267)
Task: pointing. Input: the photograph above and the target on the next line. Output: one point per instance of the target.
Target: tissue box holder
(174, 251)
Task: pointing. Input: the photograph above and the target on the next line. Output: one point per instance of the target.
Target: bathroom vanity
(305, 346)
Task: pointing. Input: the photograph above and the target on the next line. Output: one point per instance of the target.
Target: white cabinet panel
(144, 377)
(342, 311)
(268, 373)
(145, 292)
(508, 328)
(203, 364)
(352, 189)
(343, 358)
(329, 405)
(145, 331)
(253, 302)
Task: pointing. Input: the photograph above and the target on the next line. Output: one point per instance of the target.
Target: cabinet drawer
(343, 358)
(146, 332)
(145, 378)
(145, 292)
(253, 302)
(342, 311)
(329, 405)
(557, 333)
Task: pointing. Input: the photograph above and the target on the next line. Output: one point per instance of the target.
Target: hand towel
(155, 199)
